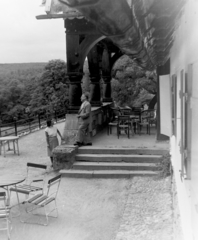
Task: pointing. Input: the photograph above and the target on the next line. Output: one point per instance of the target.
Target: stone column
(75, 91)
(74, 70)
(94, 70)
(106, 76)
(75, 74)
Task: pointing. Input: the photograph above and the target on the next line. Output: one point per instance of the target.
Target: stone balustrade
(64, 155)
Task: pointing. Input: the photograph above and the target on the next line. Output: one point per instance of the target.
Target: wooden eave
(144, 29)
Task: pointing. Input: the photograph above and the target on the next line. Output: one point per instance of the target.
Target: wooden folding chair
(35, 181)
(5, 215)
(42, 200)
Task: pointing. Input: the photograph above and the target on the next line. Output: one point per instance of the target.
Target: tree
(132, 85)
(52, 90)
(17, 83)
(10, 97)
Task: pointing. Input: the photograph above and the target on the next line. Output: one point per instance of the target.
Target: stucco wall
(183, 53)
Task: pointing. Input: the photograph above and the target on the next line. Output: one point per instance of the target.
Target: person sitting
(145, 107)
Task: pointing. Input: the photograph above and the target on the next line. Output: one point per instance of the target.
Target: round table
(8, 139)
(8, 179)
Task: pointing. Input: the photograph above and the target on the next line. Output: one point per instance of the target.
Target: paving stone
(146, 204)
(148, 211)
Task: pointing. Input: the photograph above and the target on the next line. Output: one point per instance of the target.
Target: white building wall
(183, 53)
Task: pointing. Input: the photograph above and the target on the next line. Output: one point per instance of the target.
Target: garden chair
(5, 215)
(126, 111)
(33, 183)
(153, 118)
(136, 111)
(41, 200)
(145, 121)
(124, 124)
(113, 121)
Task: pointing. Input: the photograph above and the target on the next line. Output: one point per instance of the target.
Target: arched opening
(101, 54)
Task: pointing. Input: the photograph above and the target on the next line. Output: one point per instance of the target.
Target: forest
(36, 88)
(32, 88)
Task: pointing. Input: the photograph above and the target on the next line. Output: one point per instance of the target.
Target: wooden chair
(132, 122)
(33, 183)
(124, 124)
(136, 111)
(153, 118)
(38, 201)
(126, 111)
(5, 215)
(113, 120)
(145, 121)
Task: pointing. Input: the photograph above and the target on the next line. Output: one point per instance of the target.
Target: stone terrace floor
(139, 208)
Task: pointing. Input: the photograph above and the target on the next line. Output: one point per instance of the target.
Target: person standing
(84, 115)
(145, 107)
(51, 138)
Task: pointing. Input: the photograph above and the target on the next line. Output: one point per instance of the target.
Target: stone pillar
(94, 70)
(75, 91)
(75, 74)
(106, 76)
(74, 68)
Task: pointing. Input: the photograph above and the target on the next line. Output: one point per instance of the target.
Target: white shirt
(52, 131)
(82, 105)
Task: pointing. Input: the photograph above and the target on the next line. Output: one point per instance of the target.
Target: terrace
(98, 208)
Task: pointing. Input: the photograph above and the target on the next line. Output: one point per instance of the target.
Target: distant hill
(8, 68)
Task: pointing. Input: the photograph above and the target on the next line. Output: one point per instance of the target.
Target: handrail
(27, 125)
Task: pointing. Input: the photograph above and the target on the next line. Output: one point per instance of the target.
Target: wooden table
(131, 116)
(8, 139)
(133, 119)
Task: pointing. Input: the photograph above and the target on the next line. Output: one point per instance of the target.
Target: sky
(24, 39)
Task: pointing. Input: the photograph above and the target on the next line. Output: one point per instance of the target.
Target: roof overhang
(142, 29)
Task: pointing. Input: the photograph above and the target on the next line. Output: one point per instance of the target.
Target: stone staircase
(101, 162)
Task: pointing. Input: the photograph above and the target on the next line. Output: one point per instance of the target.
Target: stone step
(114, 166)
(105, 173)
(115, 150)
(118, 158)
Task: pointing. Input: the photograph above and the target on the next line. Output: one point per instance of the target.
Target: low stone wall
(99, 116)
(64, 157)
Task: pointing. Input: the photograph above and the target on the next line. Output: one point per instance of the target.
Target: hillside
(31, 85)
(8, 68)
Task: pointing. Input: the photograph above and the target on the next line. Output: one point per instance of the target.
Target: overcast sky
(23, 38)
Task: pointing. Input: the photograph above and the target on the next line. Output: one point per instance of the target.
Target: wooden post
(15, 126)
(39, 120)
